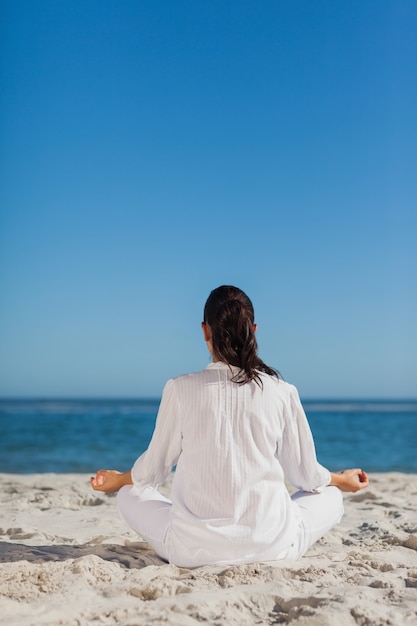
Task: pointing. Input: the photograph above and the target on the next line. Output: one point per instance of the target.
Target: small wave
(371, 406)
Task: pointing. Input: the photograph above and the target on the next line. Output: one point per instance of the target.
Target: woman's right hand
(350, 480)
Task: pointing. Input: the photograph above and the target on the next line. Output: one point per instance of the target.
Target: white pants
(147, 512)
(319, 513)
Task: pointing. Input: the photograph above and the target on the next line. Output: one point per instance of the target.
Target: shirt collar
(221, 365)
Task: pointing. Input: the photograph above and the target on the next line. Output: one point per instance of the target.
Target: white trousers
(319, 513)
(147, 512)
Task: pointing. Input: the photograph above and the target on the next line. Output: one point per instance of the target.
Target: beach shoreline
(67, 559)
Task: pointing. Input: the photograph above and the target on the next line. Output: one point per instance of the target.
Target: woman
(234, 431)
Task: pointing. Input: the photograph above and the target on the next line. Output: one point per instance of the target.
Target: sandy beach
(67, 559)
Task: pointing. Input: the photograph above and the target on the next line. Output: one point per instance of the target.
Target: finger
(362, 482)
(101, 478)
(354, 471)
(94, 483)
(364, 476)
(357, 473)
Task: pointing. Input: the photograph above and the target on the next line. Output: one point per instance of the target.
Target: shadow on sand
(135, 555)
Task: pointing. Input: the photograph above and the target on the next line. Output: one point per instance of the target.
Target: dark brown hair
(230, 315)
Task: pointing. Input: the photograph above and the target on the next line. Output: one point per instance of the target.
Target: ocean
(60, 436)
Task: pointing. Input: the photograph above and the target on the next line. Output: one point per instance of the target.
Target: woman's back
(228, 493)
(229, 436)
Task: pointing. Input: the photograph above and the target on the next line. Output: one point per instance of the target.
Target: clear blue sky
(151, 151)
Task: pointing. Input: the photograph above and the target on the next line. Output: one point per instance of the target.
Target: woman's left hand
(110, 480)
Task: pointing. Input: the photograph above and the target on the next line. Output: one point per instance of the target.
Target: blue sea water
(84, 435)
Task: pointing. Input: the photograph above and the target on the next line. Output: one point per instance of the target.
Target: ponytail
(230, 315)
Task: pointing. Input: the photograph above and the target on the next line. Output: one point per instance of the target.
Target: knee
(336, 497)
(124, 491)
(122, 495)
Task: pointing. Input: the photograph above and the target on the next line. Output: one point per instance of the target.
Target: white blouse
(232, 445)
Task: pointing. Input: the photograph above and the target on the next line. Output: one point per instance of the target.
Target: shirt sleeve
(154, 465)
(296, 450)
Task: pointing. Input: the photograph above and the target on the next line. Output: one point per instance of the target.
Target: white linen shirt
(232, 445)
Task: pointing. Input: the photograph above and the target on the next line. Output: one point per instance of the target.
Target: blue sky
(154, 150)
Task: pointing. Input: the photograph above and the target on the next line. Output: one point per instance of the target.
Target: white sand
(67, 559)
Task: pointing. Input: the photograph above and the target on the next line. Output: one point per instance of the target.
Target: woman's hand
(110, 480)
(350, 480)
